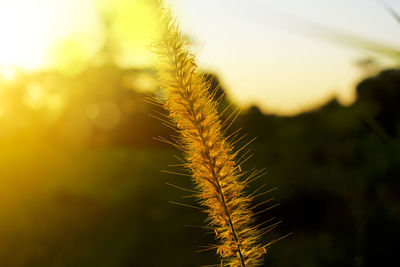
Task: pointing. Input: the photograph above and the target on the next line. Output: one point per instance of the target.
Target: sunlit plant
(209, 154)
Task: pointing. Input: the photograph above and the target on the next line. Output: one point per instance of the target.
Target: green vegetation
(81, 182)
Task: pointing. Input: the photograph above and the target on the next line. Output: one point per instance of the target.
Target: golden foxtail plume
(209, 156)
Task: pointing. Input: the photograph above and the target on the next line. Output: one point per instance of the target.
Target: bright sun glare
(29, 29)
(65, 34)
(25, 33)
(39, 34)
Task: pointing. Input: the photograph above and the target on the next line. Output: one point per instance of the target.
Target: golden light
(105, 115)
(133, 27)
(25, 33)
(34, 96)
(8, 74)
(30, 29)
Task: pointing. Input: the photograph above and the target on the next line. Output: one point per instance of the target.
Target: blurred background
(316, 81)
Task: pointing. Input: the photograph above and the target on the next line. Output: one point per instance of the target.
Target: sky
(264, 58)
(255, 46)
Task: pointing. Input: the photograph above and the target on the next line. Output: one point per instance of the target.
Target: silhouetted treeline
(338, 173)
(337, 167)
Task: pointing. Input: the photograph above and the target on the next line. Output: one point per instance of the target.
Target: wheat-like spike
(209, 155)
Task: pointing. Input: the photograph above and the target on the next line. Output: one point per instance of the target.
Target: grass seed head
(208, 155)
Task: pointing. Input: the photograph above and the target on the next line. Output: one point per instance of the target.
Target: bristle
(209, 156)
